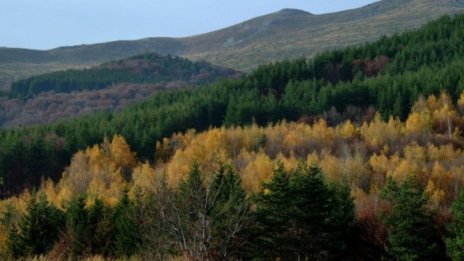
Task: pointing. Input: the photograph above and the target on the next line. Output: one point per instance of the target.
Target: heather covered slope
(107, 87)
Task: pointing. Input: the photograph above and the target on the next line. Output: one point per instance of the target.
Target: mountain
(285, 34)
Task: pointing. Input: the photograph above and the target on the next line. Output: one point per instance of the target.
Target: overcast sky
(44, 24)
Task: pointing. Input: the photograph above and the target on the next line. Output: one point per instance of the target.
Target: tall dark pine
(229, 213)
(410, 227)
(101, 229)
(455, 243)
(301, 218)
(78, 226)
(273, 208)
(322, 216)
(39, 228)
(127, 235)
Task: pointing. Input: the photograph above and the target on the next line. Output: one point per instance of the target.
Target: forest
(388, 75)
(355, 154)
(303, 191)
(146, 68)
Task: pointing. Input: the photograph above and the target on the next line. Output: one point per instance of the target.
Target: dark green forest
(389, 74)
(146, 68)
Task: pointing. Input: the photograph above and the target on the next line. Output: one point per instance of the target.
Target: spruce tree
(78, 226)
(127, 236)
(273, 206)
(455, 243)
(9, 220)
(229, 213)
(101, 229)
(311, 204)
(322, 216)
(300, 217)
(39, 228)
(342, 221)
(410, 227)
(190, 216)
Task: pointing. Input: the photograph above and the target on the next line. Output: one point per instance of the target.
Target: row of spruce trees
(296, 216)
(145, 68)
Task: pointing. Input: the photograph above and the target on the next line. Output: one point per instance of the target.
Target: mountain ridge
(286, 34)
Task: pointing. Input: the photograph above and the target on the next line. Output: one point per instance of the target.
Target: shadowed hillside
(107, 87)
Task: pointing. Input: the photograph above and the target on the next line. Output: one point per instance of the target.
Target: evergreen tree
(410, 227)
(455, 243)
(127, 238)
(311, 205)
(229, 213)
(78, 226)
(39, 228)
(273, 208)
(342, 221)
(101, 229)
(322, 216)
(8, 221)
(192, 228)
(300, 217)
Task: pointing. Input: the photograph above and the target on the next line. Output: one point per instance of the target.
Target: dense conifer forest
(356, 154)
(146, 68)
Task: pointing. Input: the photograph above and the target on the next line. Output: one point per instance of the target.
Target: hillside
(354, 154)
(147, 68)
(107, 87)
(284, 34)
(387, 76)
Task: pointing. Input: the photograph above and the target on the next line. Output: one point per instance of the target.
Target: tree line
(146, 68)
(295, 215)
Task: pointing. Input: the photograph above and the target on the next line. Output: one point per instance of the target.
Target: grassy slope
(285, 34)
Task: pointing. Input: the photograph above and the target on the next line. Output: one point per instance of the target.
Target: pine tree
(455, 243)
(229, 213)
(322, 216)
(311, 204)
(410, 227)
(39, 228)
(101, 228)
(78, 226)
(9, 224)
(342, 221)
(126, 232)
(273, 217)
(192, 228)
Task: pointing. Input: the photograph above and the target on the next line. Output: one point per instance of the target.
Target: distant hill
(107, 87)
(146, 68)
(285, 34)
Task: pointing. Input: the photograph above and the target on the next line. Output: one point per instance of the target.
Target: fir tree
(455, 243)
(322, 216)
(78, 226)
(39, 228)
(126, 231)
(229, 213)
(273, 216)
(411, 232)
(311, 204)
(101, 228)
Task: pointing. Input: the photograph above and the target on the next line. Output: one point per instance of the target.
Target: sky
(46, 24)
